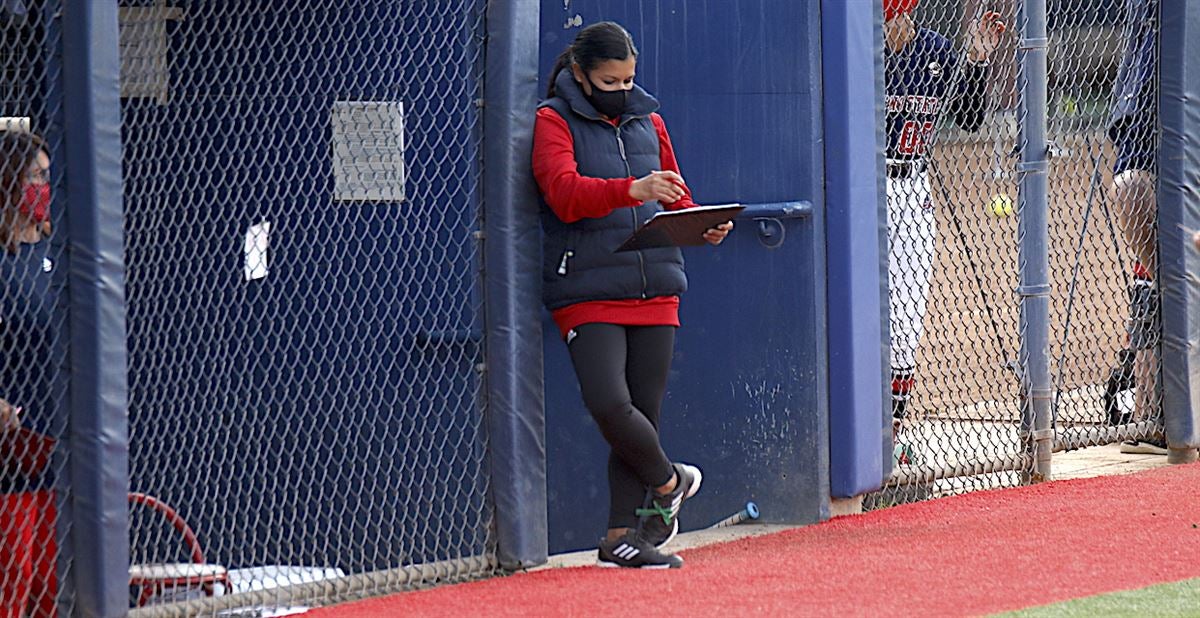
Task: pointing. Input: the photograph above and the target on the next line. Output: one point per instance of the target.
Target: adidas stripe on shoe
(631, 551)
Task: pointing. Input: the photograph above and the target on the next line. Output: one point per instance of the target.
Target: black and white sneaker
(631, 551)
(1144, 447)
(1119, 389)
(659, 520)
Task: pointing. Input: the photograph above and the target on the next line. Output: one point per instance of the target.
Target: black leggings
(622, 373)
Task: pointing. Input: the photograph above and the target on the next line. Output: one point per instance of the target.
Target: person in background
(1133, 132)
(27, 510)
(604, 163)
(924, 79)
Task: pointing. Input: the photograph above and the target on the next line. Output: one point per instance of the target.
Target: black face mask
(611, 103)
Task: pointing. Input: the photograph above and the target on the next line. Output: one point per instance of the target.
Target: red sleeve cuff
(666, 159)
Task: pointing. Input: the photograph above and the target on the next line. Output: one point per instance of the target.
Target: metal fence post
(96, 288)
(1179, 217)
(1034, 286)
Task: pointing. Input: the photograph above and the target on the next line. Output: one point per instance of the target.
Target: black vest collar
(639, 105)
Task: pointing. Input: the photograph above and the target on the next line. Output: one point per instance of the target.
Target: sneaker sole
(697, 476)
(612, 565)
(1140, 449)
(670, 537)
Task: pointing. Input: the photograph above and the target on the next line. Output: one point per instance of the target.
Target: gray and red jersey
(924, 80)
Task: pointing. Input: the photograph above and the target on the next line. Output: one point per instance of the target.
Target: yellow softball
(1070, 106)
(1000, 206)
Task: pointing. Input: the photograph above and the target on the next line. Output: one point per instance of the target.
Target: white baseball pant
(912, 233)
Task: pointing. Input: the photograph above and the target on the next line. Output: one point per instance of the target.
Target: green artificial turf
(1176, 599)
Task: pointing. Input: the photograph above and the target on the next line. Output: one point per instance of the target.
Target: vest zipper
(562, 264)
(632, 212)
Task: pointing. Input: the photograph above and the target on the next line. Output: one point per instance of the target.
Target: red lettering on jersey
(915, 104)
(914, 137)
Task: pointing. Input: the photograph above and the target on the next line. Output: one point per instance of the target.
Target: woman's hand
(985, 36)
(10, 417)
(715, 235)
(664, 187)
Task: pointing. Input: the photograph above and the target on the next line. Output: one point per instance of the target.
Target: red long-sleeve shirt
(573, 196)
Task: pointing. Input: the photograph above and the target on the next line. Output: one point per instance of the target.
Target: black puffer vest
(578, 259)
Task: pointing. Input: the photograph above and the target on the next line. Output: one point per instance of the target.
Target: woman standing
(604, 163)
(27, 511)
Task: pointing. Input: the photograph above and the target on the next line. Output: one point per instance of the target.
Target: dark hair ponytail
(597, 43)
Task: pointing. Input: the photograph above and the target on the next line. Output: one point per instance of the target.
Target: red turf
(973, 554)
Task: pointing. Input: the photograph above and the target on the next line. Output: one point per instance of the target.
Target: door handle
(768, 219)
(777, 210)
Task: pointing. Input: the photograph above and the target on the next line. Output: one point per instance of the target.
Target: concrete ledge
(685, 540)
(1095, 461)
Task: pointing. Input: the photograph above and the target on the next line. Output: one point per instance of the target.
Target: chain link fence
(306, 376)
(33, 451)
(1103, 119)
(306, 387)
(957, 397)
(951, 125)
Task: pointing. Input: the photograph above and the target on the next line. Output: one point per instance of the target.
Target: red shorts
(28, 551)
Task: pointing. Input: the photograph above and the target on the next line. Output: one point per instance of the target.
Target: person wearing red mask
(26, 183)
(27, 509)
